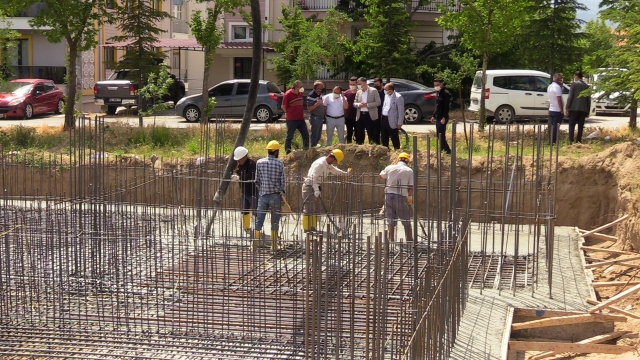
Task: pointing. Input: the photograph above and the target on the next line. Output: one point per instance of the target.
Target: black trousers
(351, 129)
(441, 130)
(387, 132)
(364, 123)
(374, 137)
(576, 118)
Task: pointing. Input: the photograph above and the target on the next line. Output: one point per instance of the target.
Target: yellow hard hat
(273, 145)
(404, 155)
(338, 154)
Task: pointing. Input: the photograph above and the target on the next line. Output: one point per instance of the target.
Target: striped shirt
(270, 176)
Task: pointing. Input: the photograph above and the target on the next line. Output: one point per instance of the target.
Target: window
(109, 57)
(512, 82)
(242, 89)
(272, 87)
(400, 87)
(242, 68)
(542, 84)
(110, 4)
(155, 4)
(177, 11)
(39, 88)
(48, 87)
(221, 90)
(242, 32)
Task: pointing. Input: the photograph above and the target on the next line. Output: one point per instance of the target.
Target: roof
(189, 44)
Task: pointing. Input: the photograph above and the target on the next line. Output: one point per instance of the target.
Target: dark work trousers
(351, 129)
(292, 126)
(363, 123)
(441, 130)
(387, 132)
(555, 119)
(374, 138)
(576, 118)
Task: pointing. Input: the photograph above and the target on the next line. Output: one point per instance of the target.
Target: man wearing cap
(246, 173)
(441, 114)
(271, 187)
(398, 193)
(319, 170)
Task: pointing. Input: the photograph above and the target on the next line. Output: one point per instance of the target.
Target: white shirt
(399, 178)
(365, 97)
(335, 107)
(554, 90)
(387, 104)
(319, 170)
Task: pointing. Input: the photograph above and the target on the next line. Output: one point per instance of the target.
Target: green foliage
(463, 66)
(22, 136)
(296, 29)
(8, 46)
(157, 86)
(598, 41)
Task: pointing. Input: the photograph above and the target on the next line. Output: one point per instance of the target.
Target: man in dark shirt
(350, 112)
(293, 107)
(245, 173)
(441, 114)
(377, 83)
(316, 112)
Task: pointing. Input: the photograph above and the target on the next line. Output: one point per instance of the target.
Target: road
(170, 120)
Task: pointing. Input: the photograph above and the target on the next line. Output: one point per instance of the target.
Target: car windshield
(272, 87)
(18, 87)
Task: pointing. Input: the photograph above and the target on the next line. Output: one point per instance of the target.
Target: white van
(513, 94)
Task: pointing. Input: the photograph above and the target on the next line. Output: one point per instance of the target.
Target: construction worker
(246, 173)
(271, 187)
(398, 193)
(311, 187)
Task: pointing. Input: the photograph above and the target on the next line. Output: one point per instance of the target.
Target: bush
(22, 136)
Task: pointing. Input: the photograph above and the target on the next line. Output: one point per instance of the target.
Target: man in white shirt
(366, 102)
(335, 105)
(392, 117)
(555, 107)
(398, 195)
(319, 170)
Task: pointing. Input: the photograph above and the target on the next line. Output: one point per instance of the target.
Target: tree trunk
(251, 101)
(485, 62)
(464, 120)
(633, 117)
(72, 88)
(208, 64)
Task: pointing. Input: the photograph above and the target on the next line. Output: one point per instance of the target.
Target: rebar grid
(113, 248)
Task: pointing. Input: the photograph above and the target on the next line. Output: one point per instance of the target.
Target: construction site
(517, 254)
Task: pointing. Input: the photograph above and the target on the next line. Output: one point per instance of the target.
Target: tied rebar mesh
(107, 257)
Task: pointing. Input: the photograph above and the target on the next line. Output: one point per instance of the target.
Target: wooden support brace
(568, 347)
(566, 320)
(606, 226)
(615, 299)
(593, 340)
(613, 308)
(611, 251)
(609, 262)
(613, 283)
(598, 236)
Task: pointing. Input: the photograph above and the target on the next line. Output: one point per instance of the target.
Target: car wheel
(192, 113)
(111, 110)
(263, 114)
(412, 114)
(60, 107)
(28, 111)
(505, 114)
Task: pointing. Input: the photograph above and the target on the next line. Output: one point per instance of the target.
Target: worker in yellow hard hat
(398, 193)
(311, 190)
(271, 187)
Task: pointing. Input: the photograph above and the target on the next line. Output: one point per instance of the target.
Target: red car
(27, 97)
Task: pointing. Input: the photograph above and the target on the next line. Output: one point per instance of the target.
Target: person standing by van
(555, 107)
(577, 106)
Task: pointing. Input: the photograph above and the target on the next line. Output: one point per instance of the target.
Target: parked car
(514, 94)
(419, 100)
(609, 104)
(25, 98)
(231, 100)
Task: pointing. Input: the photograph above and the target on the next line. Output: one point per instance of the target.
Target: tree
(486, 27)
(625, 14)
(156, 87)
(7, 46)
(599, 39)
(76, 22)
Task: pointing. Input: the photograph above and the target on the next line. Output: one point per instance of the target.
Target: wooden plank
(541, 313)
(592, 340)
(599, 236)
(568, 347)
(609, 262)
(507, 335)
(606, 226)
(611, 251)
(615, 299)
(566, 320)
(613, 308)
(613, 283)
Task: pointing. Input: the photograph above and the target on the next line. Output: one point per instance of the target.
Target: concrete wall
(48, 54)
(425, 32)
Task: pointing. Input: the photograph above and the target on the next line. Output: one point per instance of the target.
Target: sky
(592, 13)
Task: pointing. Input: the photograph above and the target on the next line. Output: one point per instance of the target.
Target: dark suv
(231, 100)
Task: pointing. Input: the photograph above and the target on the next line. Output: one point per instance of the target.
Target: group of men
(263, 187)
(577, 107)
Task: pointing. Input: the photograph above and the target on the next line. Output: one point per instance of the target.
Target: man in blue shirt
(271, 187)
(316, 112)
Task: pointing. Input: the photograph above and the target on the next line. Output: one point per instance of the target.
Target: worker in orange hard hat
(398, 195)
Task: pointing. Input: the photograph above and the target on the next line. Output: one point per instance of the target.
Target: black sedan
(419, 100)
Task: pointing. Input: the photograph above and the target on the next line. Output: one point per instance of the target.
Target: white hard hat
(239, 153)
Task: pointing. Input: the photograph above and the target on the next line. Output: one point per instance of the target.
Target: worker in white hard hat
(311, 190)
(398, 193)
(245, 172)
(271, 187)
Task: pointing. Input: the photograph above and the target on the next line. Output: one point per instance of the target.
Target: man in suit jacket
(367, 101)
(392, 117)
(577, 107)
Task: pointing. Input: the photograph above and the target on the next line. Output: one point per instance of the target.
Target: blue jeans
(555, 119)
(248, 203)
(269, 202)
(292, 126)
(316, 129)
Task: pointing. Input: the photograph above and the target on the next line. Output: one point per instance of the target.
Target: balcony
(32, 11)
(324, 74)
(316, 5)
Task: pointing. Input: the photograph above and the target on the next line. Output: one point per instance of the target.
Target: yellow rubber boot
(246, 221)
(313, 223)
(256, 239)
(305, 222)
(274, 240)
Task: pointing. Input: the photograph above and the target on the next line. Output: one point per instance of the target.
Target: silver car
(231, 99)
